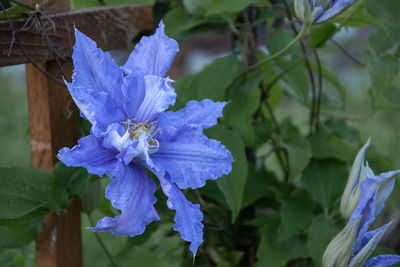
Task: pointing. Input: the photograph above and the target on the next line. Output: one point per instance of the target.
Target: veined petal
(134, 88)
(95, 70)
(188, 216)
(196, 114)
(338, 7)
(159, 95)
(362, 256)
(97, 107)
(382, 261)
(190, 158)
(362, 241)
(366, 211)
(90, 153)
(153, 54)
(133, 194)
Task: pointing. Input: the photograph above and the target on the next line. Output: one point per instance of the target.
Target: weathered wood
(53, 125)
(112, 27)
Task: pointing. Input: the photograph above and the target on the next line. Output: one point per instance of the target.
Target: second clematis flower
(318, 11)
(130, 132)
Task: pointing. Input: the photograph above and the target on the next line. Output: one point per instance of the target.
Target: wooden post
(52, 126)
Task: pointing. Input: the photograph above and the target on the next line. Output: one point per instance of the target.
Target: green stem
(284, 50)
(103, 247)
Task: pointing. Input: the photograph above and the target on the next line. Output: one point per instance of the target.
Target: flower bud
(338, 252)
(325, 4)
(352, 190)
(303, 10)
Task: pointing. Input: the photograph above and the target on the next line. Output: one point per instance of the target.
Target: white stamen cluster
(135, 128)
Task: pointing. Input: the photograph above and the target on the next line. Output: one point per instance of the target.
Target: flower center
(136, 128)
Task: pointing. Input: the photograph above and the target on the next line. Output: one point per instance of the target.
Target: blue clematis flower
(130, 132)
(354, 244)
(317, 11)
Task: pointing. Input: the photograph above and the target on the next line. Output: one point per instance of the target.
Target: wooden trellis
(52, 126)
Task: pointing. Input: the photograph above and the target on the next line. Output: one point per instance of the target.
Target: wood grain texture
(53, 125)
(112, 27)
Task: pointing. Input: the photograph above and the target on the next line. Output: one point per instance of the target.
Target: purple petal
(196, 114)
(153, 54)
(159, 95)
(90, 153)
(96, 107)
(363, 240)
(96, 82)
(369, 244)
(133, 194)
(383, 184)
(134, 88)
(338, 7)
(188, 216)
(365, 209)
(382, 261)
(190, 158)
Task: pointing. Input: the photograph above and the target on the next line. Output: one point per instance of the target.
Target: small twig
(308, 68)
(18, 41)
(344, 51)
(318, 106)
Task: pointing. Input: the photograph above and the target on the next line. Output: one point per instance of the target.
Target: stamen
(135, 129)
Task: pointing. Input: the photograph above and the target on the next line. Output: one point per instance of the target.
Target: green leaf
(383, 39)
(23, 190)
(299, 152)
(256, 187)
(329, 145)
(232, 185)
(276, 254)
(383, 69)
(91, 197)
(387, 11)
(15, 11)
(231, 6)
(243, 98)
(211, 82)
(196, 7)
(320, 33)
(296, 214)
(18, 232)
(296, 82)
(74, 179)
(325, 180)
(360, 18)
(321, 232)
(176, 22)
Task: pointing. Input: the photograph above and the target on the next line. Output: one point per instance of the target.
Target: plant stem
(103, 247)
(283, 50)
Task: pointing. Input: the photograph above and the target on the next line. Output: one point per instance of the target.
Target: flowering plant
(130, 131)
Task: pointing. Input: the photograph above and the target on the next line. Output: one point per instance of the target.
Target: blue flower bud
(317, 11)
(338, 252)
(352, 190)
